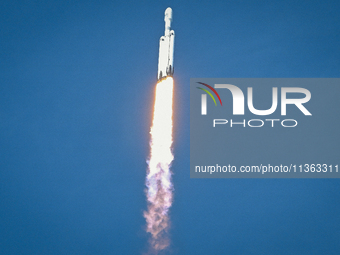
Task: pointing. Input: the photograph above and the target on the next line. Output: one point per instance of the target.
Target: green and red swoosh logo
(209, 93)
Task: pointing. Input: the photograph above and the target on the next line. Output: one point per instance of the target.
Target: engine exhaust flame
(158, 179)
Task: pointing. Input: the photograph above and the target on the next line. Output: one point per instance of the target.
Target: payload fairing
(166, 48)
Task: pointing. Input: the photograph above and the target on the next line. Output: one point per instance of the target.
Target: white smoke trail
(158, 179)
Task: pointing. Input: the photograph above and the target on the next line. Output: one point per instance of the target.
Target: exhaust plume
(158, 180)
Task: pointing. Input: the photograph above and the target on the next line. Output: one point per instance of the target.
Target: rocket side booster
(166, 48)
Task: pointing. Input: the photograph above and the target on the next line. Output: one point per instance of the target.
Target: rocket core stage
(166, 48)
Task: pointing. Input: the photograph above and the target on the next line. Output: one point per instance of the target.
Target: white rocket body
(166, 48)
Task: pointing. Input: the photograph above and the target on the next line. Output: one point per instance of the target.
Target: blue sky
(76, 94)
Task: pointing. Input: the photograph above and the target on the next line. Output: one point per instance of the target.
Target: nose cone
(168, 14)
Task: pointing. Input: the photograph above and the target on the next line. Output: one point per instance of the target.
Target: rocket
(166, 48)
